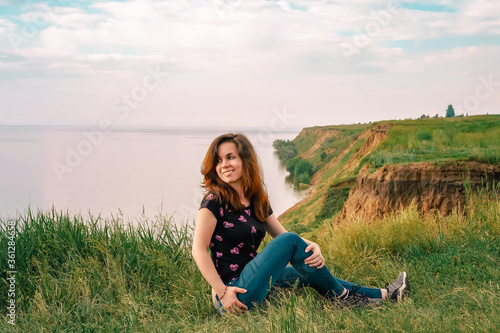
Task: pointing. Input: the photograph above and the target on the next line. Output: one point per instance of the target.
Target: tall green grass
(79, 274)
(92, 274)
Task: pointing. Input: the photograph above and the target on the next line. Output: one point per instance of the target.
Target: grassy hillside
(348, 148)
(77, 274)
(332, 140)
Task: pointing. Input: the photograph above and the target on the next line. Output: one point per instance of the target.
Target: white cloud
(245, 57)
(482, 9)
(6, 25)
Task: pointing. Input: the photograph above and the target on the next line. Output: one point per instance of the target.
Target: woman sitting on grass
(234, 217)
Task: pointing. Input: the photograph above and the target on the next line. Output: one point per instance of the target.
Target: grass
(77, 274)
(334, 201)
(474, 138)
(301, 218)
(330, 172)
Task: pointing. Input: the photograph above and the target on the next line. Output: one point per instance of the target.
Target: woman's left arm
(275, 228)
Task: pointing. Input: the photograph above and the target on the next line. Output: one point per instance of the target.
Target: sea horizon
(126, 169)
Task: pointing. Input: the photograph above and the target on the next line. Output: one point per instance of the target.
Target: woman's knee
(292, 239)
(290, 236)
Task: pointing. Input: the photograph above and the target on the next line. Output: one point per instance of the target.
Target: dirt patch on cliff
(373, 137)
(430, 186)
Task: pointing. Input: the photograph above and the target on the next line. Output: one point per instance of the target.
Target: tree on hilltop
(450, 112)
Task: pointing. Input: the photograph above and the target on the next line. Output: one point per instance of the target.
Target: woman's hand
(316, 258)
(231, 303)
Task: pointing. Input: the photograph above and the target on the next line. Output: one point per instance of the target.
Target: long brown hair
(252, 179)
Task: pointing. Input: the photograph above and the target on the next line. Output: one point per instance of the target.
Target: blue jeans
(270, 268)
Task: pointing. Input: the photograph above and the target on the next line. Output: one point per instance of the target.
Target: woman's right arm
(205, 226)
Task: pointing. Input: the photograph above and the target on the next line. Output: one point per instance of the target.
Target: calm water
(131, 171)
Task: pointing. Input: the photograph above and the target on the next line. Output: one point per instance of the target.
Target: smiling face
(229, 165)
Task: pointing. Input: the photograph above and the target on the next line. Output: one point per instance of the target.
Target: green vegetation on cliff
(314, 147)
(464, 138)
(312, 142)
(286, 149)
(338, 153)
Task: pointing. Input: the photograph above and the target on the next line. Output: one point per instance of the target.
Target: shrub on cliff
(301, 169)
(286, 149)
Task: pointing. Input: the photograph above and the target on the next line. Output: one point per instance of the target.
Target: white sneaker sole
(403, 287)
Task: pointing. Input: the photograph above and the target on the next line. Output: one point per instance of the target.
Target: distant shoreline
(150, 129)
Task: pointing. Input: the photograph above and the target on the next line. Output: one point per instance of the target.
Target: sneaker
(355, 300)
(399, 289)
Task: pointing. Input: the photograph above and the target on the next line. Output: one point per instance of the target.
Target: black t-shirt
(236, 237)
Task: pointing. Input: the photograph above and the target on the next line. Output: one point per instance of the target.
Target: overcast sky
(220, 63)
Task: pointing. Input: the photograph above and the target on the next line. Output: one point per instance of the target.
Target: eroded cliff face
(431, 186)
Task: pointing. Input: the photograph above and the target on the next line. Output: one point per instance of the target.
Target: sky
(255, 63)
